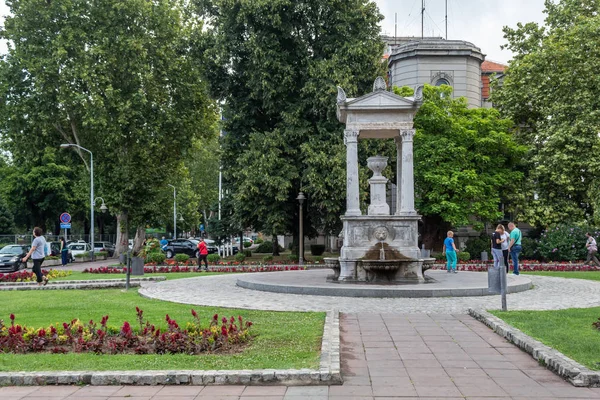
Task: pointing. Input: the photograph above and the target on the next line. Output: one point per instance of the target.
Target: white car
(79, 248)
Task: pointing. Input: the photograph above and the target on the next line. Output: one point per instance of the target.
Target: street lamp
(64, 146)
(301, 199)
(174, 211)
(103, 207)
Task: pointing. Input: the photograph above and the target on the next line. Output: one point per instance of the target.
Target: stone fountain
(379, 247)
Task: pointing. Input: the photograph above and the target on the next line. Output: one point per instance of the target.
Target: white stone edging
(555, 361)
(329, 372)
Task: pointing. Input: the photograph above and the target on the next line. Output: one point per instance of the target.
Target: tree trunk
(275, 246)
(433, 232)
(241, 242)
(138, 242)
(122, 245)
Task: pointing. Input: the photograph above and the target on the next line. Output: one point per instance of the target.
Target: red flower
(12, 317)
(194, 313)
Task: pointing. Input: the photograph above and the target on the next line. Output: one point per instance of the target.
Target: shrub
(529, 249)
(80, 255)
(181, 258)
(564, 243)
(317, 249)
(464, 256)
(438, 256)
(258, 241)
(239, 257)
(248, 253)
(293, 257)
(476, 245)
(101, 254)
(268, 258)
(213, 258)
(157, 258)
(318, 259)
(264, 247)
(247, 244)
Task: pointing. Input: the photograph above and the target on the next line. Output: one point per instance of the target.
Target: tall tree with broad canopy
(466, 163)
(116, 77)
(276, 66)
(550, 91)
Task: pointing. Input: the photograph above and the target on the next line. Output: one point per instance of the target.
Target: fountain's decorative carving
(379, 247)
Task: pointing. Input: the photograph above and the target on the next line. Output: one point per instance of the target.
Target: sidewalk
(384, 356)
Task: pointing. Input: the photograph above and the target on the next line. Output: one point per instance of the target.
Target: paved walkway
(384, 356)
(221, 290)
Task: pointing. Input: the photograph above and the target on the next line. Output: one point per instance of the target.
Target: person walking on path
(497, 239)
(163, 244)
(592, 249)
(450, 251)
(37, 253)
(64, 252)
(202, 255)
(505, 244)
(514, 247)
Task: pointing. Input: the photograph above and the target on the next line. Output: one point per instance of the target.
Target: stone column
(398, 141)
(352, 196)
(407, 201)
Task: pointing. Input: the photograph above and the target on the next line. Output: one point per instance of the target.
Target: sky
(477, 21)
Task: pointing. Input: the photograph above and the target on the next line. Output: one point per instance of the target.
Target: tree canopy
(550, 91)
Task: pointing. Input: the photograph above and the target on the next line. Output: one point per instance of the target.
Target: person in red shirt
(202, 255)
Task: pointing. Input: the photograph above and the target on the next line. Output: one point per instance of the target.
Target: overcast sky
(476, 21)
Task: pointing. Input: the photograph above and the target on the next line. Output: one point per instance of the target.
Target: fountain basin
(380, 265)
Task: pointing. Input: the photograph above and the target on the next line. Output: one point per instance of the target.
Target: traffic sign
(65, 218)
(65, 226)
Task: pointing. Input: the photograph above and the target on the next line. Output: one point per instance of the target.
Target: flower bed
(77, 337)
(523, 266)
(173, 269)
(27, 276)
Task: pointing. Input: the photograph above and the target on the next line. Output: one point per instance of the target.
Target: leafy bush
(157, 258)
(476, 245)
(181, 258)
(318, 259)
(293, 257)
(247, 244)
(438, 256)
(268, 258)
(81, 255)
(317, 249)
(258, 241)
(248, 253)
(101, 254)
(464, 256)
(265, 247)
(529, 249)
(564, 243)
(239, 257)
(152, 246)
(213, 258)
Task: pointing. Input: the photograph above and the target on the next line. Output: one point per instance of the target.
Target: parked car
(104, 246)
(79, 248)
(55, 251)
(182, 246)
(10, 257)
(246, 240)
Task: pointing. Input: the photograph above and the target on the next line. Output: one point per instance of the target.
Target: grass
(589, 275)
(569, 331)
(283, 339)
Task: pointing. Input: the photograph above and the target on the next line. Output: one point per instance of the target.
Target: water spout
(381, 252)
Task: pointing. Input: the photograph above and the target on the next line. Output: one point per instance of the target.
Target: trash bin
(123, 259)
(137, 266)
(484, 256)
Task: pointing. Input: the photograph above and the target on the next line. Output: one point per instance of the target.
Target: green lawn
(283, 339)
(569, 331)
(590, 275)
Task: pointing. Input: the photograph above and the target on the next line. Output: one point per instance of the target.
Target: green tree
(7, 222)
(465, 163)
(550, 91)
(277, 64)
(116, 77)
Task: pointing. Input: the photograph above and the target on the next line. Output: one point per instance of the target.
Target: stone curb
(329, 372)
(53, 282)
(555, 361)
(73, 285)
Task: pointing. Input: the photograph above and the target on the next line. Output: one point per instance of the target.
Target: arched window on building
(441, 82)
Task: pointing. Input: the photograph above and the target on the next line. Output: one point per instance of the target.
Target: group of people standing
(503, 245)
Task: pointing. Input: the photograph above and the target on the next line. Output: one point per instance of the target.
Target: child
(450, 251)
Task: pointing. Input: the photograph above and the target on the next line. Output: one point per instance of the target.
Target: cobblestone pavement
(221, 290)
(384, 357)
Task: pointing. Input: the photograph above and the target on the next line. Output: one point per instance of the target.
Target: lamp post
(174, 211)
(301, 199)
(64, 146)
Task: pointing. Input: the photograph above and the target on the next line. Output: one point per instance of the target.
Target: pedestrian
(64, 252)
(497, 246)
(202, 255)
(450, 251)
(592, 249)
(505, 244)
(163, 244)
(514, 247)
(37, 254)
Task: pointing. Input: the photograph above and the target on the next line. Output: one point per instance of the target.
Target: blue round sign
(65, 218)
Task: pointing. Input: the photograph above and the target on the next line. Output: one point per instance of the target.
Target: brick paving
(384, 356)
